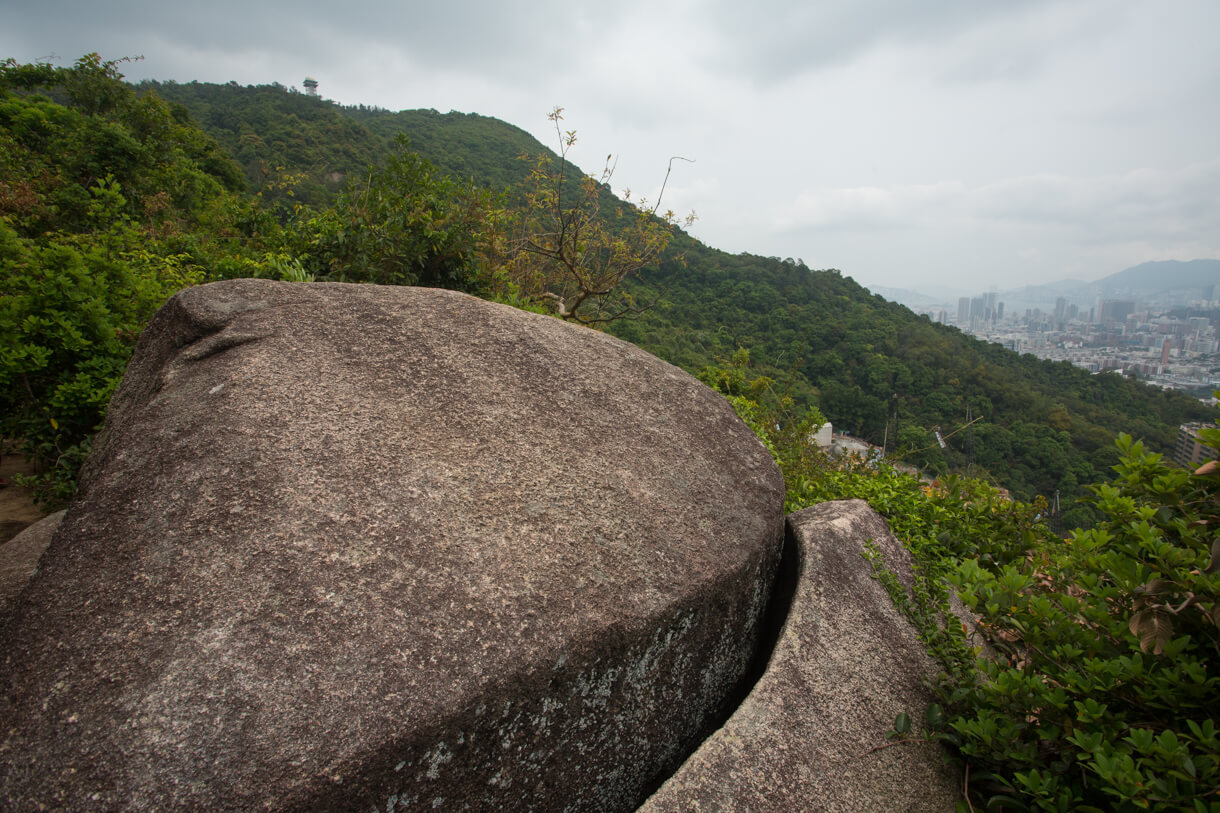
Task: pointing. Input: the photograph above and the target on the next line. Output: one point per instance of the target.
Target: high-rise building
(963, 311)
(1116, 310)
(1190, 451)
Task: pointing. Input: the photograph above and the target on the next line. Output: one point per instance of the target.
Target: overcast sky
(966, 143)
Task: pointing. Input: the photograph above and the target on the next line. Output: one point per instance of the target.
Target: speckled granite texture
(342, 547)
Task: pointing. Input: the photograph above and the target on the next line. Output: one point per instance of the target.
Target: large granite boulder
(345, 547)
(811, 735)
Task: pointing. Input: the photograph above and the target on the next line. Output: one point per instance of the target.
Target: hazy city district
(1170, 344)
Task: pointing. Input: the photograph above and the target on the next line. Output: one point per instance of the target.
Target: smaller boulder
(811, 733)
(19, 559)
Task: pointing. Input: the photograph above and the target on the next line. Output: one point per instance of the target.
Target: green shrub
(71, 309)
(401, 224)
(1106, 691)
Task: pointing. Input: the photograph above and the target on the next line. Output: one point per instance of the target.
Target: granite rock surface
(353, 547)
(19, 559)
(811, 735)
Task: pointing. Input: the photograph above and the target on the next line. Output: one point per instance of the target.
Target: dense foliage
(1099, 688)
(111, 203)
(401, 224)
(1106, 689)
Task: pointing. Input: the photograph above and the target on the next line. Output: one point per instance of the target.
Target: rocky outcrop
(344, 547)
(19, 559)
(811, 734)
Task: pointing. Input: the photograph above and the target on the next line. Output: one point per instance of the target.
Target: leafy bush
(1102, 690)
(109, 203)
(71, 309)
(402, 224)
(1107, 688)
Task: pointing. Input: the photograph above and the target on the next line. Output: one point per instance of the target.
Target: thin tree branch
(657, 206)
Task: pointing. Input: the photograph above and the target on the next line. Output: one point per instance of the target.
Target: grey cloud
(775, 39)
(458, 34)
(1155, 205)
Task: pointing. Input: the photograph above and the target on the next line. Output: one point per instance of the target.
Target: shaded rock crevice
(778, 604)
(542, 746)
(844, 664)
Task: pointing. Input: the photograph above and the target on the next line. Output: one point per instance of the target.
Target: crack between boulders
(779, 605)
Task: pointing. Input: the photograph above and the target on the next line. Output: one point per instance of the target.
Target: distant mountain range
(1154, 280)
(1165, 282)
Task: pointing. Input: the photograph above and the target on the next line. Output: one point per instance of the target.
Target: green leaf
(935, 717)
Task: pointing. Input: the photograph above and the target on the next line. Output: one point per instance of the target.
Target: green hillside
(1045, 426)
(273, 132)
(872, 367)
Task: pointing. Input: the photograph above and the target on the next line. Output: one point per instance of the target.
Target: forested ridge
(272, 133)
(1102, 690)
(1044, 426)
(872, 367)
